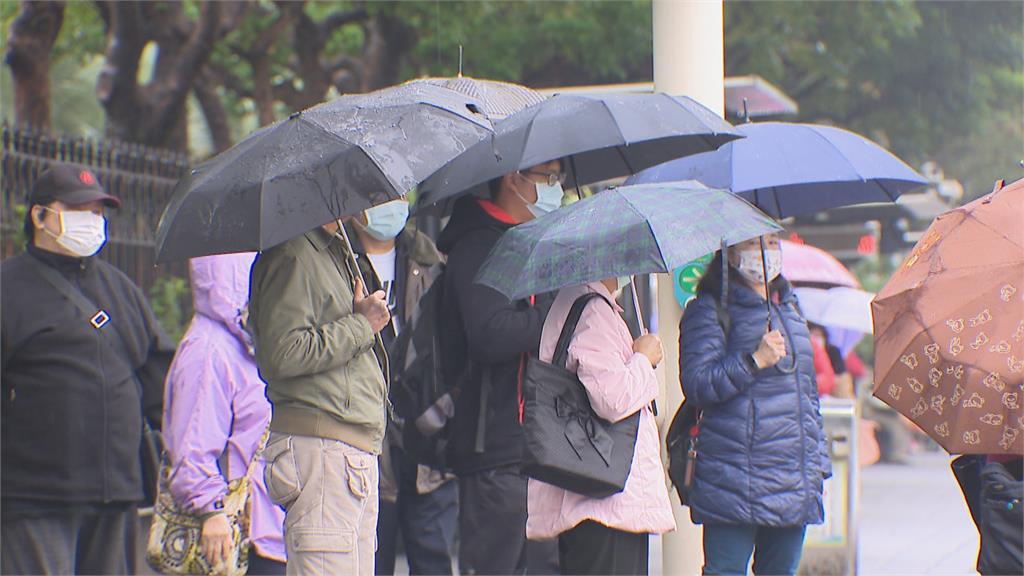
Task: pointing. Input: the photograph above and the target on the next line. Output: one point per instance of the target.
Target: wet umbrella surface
(599, 137)
(620, 232)
(330, 161)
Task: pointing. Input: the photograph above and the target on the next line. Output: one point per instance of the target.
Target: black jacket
(71, 412)
(483, 326)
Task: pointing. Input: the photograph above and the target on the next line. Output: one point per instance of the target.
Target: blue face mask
(622, 282)
(385, 221)
(549, 199)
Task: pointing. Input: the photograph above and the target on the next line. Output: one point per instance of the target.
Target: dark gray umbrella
(321, 164)
(603, 137)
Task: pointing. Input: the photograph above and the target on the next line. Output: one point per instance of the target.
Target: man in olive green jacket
(315, 335)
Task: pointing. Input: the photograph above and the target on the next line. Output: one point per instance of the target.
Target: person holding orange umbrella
(949, 341)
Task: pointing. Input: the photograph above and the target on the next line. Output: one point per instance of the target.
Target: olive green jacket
(316, 355)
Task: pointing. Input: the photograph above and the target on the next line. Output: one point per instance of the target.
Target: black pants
(261, 566)
(82, 540)
(492, 527)
(592, 548)
(426, 521)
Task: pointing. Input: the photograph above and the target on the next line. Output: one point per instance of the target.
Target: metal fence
(142, 177)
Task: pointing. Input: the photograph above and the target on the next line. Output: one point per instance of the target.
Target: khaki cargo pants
(329, 491)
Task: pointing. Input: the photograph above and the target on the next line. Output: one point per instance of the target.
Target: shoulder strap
(98, 318)
(259, 450)
(569, 328)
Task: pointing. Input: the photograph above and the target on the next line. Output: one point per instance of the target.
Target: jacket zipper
(103, 397)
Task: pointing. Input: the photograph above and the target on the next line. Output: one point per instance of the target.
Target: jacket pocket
(360, 477)
(324, 550)
(281, 472)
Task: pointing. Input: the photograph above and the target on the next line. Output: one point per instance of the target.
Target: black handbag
(567, 444)
(681, 440)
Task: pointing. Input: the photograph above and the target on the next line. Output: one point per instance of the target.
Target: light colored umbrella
(844, 312)
(803, 265)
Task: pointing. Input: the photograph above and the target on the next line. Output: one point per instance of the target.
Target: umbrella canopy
(844, 312)
(806, 265)
(499, 99)
(603, 136)
(330, 161)
(619, 232)
(788, 169)
(949, 328)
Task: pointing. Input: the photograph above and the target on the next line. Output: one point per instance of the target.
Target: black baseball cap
(71, 184)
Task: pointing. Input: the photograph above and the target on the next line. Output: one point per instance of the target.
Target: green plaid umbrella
(623, 231)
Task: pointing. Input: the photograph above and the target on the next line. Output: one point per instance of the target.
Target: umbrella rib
(625, 160)
(841, 155)
(661, 254)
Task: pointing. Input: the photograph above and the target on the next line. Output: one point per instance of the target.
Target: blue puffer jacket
(761, 452)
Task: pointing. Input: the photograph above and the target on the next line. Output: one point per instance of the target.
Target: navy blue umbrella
(787, 169)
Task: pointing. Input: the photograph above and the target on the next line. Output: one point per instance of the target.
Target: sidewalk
(913, 520)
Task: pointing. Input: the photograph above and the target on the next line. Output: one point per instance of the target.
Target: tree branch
(29, 44)
(340, 19)
(116, 82)
(213, 110)
(175, 88)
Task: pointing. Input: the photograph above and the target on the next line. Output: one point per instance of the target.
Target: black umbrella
(330, 161)
(603, 137)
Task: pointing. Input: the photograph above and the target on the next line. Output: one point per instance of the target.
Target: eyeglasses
(553, 178)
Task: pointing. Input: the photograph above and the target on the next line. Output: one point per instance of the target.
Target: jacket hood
(467, 216)
(220, 289)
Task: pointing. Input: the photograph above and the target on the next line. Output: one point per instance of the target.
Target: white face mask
(549, 199)
(753, 269)
(81, 232)
(621, 282)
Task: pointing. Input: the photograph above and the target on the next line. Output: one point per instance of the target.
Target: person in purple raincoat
(216, 401)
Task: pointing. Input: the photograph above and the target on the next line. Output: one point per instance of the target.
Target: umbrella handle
(636, 307)
(767, 290)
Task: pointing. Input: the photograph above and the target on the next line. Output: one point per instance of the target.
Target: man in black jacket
(486, 339)
(74, 388)
(416, 500)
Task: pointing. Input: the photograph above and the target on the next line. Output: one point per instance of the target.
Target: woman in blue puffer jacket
(761, 452)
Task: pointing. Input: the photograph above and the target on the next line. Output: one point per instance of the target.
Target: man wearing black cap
(82, 358)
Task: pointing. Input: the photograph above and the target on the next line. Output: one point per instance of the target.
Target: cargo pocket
(281, 473)
(358, 468)
(339, 543)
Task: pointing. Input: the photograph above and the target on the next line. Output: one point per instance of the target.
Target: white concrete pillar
(689, 59)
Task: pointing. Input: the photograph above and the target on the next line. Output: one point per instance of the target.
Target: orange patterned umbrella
(949, 328)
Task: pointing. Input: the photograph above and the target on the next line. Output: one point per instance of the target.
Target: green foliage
(14, 229)
(938, 81)
(538, 43)
(872, 273)
(171, 301)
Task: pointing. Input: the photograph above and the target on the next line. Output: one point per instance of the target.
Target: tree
(32, 37)
(938, 81)
(154, 112)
